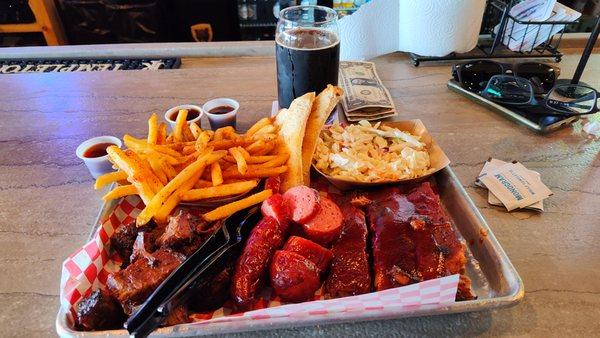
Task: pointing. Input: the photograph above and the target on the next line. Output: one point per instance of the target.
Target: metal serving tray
(495, 280)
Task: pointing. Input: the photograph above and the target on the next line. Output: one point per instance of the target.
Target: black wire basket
(497, 13)
(548, 48)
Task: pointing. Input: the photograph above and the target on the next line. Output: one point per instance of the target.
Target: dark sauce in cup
(97, 150)
(216, 121)
(221, 110)
(192, 114)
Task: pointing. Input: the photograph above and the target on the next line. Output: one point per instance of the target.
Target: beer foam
(307, 39)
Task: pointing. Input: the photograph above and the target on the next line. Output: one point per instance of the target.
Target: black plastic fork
(177, 288)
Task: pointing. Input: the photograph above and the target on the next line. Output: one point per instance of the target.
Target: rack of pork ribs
(390, 237)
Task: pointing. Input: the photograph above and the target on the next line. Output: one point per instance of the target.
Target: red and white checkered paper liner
(87, 269)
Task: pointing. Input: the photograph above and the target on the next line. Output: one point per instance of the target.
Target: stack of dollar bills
(365, 97)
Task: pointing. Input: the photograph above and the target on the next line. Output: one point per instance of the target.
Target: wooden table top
(48, 205)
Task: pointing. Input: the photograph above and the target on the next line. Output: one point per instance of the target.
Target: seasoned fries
(192, 164)
(153, 129)
(180, 122)
(195, 129)
(202, 184)
(219, 191)
(255, 173)
(258, 125)
(215, 174)
(156, 165)
(242, 166)
(162, 133)
(135, 173)
(120, 191)
(233, 207)
(185, 175)
(163, 213)
(108, 178)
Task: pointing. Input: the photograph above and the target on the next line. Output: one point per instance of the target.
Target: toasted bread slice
(292, 125)
(321, 109)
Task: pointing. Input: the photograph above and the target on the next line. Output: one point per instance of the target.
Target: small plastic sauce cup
(90, 150)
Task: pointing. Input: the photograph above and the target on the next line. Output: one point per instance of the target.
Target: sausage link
(266, 237)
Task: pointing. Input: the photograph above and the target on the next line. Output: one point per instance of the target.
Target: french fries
(149, 177)
(225, 133)
(120, 191)
(108, 178)
(142, 146)
(274, 162)
(174, 199)
(268, 129)
(155, 164)
(256, 146)
(252, 159)
(215, 174)
(256, 173)
(180, 123)
(185, 175)
(227, 210)
(192, 164)
(168, 170)
(268, 147)
(237, 154)
(226, 144)
(265, 121)
(202, 141)
(133, 170)
(153, 129)
(195, 129)
(187, 133)
(202, 184)
(161, 138)
(219, 191)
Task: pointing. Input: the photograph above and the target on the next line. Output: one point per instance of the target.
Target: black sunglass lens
(508, 90)
(475, 75)
(541, 75)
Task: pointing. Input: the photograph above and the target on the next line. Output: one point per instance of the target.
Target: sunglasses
(526, 84)
(474, 75)
(563, 99)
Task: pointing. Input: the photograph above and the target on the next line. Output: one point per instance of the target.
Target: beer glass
(307, 51)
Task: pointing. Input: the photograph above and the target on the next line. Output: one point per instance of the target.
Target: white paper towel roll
(424, 27)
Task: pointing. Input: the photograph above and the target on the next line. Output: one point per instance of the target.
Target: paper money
(365, 97)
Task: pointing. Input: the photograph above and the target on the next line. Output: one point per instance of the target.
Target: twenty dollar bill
(365, 97)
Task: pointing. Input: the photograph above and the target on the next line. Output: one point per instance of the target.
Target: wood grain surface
(47, 203)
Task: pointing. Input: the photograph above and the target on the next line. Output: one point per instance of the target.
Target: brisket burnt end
(100, 311)
(132, 285)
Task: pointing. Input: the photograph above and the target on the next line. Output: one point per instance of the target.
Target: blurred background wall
(126, 21)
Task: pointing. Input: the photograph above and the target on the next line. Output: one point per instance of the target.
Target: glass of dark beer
(308, 51)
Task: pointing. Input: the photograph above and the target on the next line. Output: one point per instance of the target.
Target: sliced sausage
(273, 183)
(274, 207)
(310, 250)
(293, 277)
(302, 202)
(266, 237)
(326, 225)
